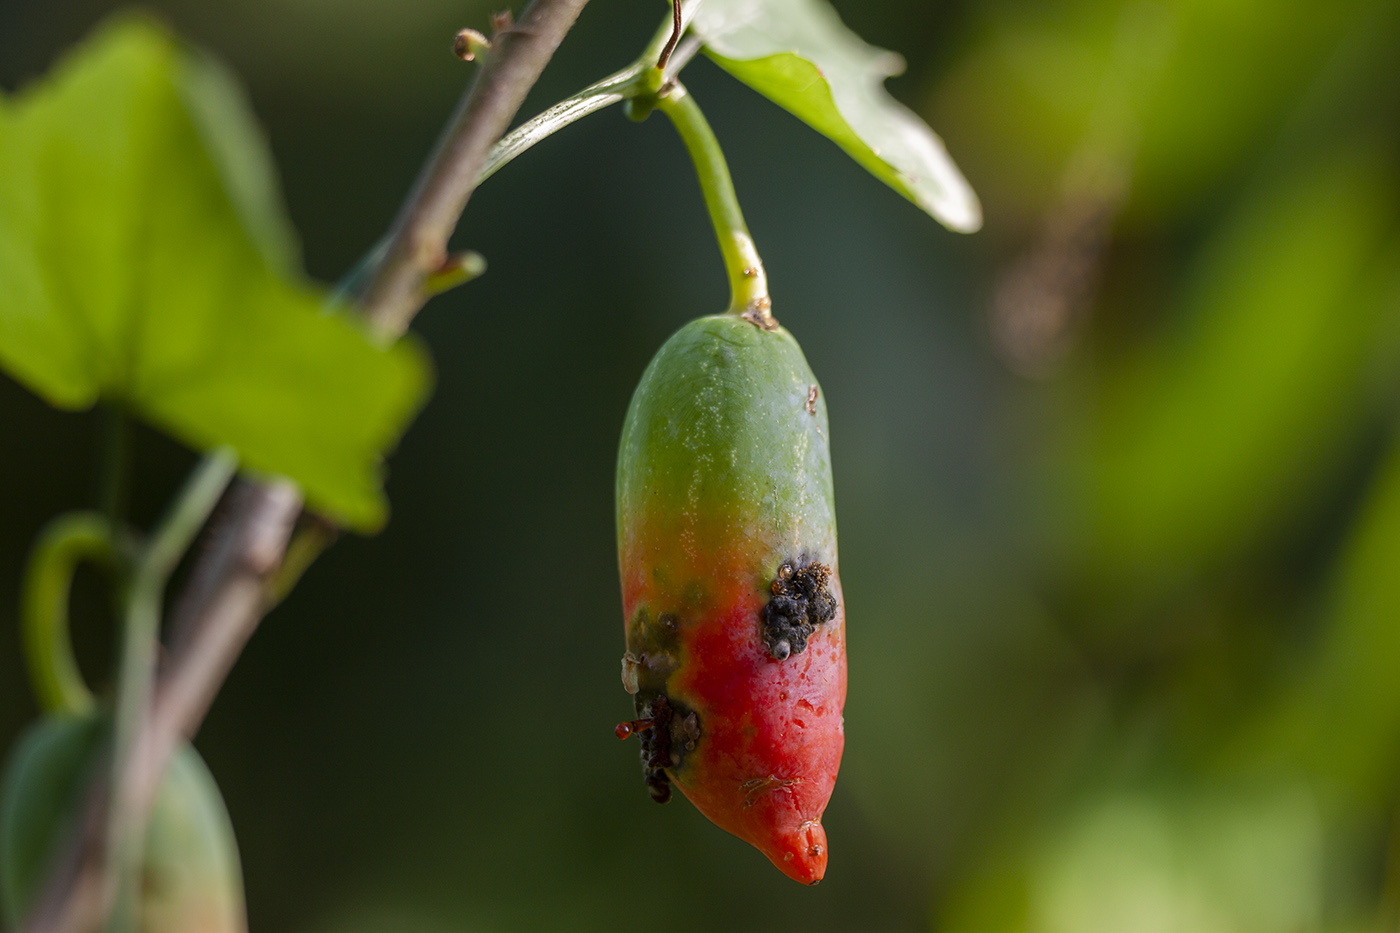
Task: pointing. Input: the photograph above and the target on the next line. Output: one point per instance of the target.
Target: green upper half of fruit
(724, 460)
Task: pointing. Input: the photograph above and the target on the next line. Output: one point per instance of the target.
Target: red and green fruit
(735, 624)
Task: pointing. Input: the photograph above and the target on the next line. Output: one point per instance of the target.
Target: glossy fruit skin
(724, 494)
(191, 881)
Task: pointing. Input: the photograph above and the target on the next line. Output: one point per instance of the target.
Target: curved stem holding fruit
(747, 281)
(66, 542)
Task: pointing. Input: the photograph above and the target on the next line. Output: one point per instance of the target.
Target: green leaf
(224, 118)
(1219, 439)
(1192, 853)
(144, 260)
(1338, 721)
(801, 56)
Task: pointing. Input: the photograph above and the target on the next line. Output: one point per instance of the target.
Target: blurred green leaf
(141, 237)
(1188, 92)
(1339, 720)
(801, 56)
(1205, 448)
(1276, 69)
(236, 145)
(1183, 858)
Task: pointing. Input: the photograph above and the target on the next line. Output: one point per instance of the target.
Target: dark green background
(1117, 630)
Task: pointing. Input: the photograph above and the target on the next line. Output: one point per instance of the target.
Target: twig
(228, 590)
(418, 242)
(681, 57)
(677, 27)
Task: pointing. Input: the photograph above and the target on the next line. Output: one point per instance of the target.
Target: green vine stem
(604, 93)
(747, 281)
(64, 543)
(140, 640)
(642, 77)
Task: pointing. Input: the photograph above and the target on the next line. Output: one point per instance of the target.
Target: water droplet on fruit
(624, 729)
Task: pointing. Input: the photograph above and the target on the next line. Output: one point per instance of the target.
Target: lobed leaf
(145, 261)
(801, 56)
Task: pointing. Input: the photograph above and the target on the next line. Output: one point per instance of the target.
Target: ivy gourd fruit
(735, 624)
(190, 876)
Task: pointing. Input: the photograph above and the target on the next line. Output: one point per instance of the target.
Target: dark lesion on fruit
(802, 599)
(653, 649)
(668, 730)
(671, 732)
(656, 747)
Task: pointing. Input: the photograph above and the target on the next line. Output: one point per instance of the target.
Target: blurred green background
(1117, 479)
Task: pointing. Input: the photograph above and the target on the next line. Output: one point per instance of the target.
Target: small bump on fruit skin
(735, 622)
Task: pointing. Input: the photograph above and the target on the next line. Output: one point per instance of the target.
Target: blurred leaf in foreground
(141, 241)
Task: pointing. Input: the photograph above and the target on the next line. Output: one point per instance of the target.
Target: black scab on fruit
(802, 600)
(656, 748)
(667, 732)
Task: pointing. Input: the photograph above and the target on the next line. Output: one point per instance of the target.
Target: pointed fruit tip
(802, 855)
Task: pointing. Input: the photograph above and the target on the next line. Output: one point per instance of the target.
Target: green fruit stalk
(732, 603)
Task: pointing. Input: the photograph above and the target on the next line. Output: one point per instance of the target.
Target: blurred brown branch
(229, 588)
